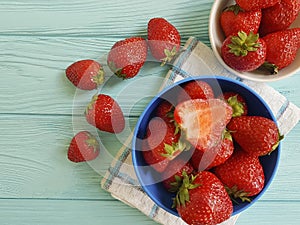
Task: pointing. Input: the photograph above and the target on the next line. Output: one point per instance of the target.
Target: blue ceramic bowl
(150, 179)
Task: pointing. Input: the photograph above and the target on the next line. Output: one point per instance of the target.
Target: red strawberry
(214, 156)
(195, 89)
(156, 161)
(234, 19)
(172, 175)
(105, 113)
(242, 174)
(83, 147)
(279, 17)
(255, 134)
(163, 143)
(126, 57)
(237, 102)
(282, 47)
(165, 110)
(203, 200)
(244, 52)
(163, 39)
(256, 4)
(85, 74)
(163, 138)
(203, 121)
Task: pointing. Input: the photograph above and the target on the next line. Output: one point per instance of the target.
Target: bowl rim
(156, 97)
(245, 75)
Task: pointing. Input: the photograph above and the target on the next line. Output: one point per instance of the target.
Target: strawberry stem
(237, 106)
(234, 194)
(243, 43)
(182, 195)
(234, 8)
(169, 55)
(269, 67)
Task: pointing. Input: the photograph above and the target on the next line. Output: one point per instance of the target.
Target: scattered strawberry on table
(126, 57)
(83, 147)
(267, 20)
(105, 113)
(163, 39)
(85, 74)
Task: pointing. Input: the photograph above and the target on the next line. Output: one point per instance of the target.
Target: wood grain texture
(40, 110)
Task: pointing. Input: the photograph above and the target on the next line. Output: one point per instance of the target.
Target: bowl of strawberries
(256, 40)
(206, 148)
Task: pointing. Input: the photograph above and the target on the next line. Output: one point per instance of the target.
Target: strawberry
(255, 134)
(203, 121)
(237, 102)
(279, 17)
(85, 74)
(163, 143)
(164, 110)
(156, 161)
(203, 200)
(234, 19)
(172, 175)
(163, 39)
(242, 174)
(126, 57)
(256, 4)
(195, 89)
(83, 147)
(244, 52)
(215, 156)
(163, 138)
(282, 48)
(105, 113)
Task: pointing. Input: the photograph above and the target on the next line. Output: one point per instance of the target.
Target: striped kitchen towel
(196, 59)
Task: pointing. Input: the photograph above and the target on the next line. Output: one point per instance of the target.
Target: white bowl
(217, 37)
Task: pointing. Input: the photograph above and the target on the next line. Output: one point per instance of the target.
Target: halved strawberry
(203, 121)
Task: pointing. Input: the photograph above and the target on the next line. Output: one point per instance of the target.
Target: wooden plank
(34, 81)
(33, 149)
(101, 18)
(64, 212)
(271, 213)
(33, 159)
(36, 212)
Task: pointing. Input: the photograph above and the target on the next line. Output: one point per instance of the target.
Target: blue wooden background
(38, 40)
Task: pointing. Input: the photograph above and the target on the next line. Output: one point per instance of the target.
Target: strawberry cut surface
(203, 121)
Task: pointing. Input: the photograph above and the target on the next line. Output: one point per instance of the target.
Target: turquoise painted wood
(40, 110)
